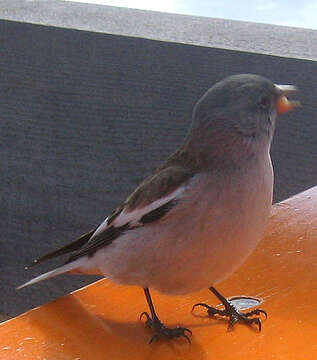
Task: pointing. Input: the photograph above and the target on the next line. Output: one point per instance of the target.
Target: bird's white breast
(202, 240)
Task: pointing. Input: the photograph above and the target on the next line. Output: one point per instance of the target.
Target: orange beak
(283, 104)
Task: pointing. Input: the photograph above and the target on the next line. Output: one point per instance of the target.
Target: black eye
(264, 102)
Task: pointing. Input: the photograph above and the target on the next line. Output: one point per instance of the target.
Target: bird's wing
(152, 200)
(73, 246)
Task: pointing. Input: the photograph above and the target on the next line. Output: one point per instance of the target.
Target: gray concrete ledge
(194, 30)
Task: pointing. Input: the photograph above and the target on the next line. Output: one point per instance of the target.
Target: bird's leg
(232, 312)
(159, 329)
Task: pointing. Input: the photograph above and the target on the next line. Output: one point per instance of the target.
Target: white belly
(215, 228)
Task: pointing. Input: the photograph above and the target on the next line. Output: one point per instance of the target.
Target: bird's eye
(264, 102)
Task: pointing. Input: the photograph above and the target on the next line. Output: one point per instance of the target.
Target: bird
(201, 213)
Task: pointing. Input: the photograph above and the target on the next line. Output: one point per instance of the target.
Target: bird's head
(243, 106)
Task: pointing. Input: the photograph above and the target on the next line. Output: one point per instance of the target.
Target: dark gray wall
(85, 116)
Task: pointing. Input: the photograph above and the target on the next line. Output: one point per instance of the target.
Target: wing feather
(73, 246)
(151, 201)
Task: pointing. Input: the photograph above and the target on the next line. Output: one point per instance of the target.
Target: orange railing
(101, 320)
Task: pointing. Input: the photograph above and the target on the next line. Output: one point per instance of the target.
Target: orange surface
(101, 320)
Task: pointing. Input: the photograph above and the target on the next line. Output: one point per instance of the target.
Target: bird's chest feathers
(235, 206)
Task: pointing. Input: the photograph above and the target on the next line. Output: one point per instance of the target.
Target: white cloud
(304, 16)
(308, 15)
(262, 5)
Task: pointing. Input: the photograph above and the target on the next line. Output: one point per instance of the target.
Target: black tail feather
(75, 245)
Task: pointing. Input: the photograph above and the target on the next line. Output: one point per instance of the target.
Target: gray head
(240, 109)
(245, 104)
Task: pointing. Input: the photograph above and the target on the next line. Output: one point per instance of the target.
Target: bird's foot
(161, 331)
(234, 314)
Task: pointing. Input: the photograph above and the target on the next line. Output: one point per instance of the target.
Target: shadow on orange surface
(101, 321)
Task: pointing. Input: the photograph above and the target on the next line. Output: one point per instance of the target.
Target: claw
(256, 312)
(148, 321)
(211, 310)
(187, 338)
(146, 314)
(232, 321)
(153, 338)
(200, 304)
(232, 312)
(161, 330)
(258, 322)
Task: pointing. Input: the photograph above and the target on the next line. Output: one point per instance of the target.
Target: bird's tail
(60, 270)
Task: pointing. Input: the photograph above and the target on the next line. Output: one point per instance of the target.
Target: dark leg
(232, 312)
(159, 329)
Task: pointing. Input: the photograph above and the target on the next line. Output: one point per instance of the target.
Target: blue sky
(299, 13)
